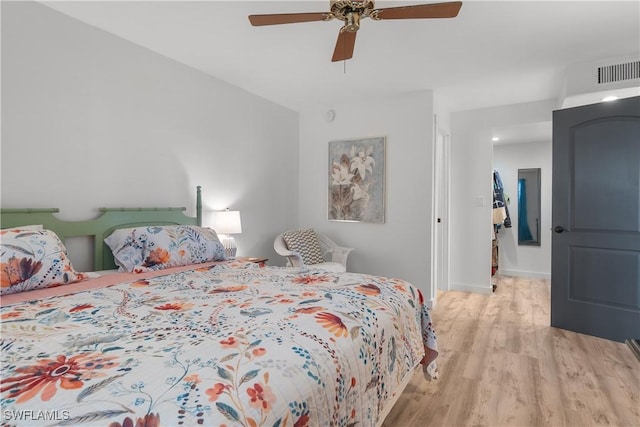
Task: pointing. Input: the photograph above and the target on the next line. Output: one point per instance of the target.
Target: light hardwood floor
(501, 364)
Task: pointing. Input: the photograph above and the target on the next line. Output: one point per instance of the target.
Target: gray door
(595, 269)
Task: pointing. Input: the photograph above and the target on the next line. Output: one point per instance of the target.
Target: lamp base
(229, 244)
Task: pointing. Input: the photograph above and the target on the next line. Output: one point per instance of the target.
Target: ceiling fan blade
(344, 46)
(287, 18)
(434, 10)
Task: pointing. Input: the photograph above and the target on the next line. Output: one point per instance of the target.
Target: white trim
(430, 303)
(433, 288)
(477, 289)
(444, 211)
(527, 274)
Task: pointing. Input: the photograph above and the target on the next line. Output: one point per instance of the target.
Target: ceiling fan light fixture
(353, 22)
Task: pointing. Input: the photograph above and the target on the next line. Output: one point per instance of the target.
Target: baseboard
(471, 288)
(527, 274)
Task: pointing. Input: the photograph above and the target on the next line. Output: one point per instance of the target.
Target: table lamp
(227, 223)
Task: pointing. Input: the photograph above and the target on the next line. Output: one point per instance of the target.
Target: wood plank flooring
(501, 364)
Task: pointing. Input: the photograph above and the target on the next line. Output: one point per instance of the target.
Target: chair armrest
(295, 259)
(340, 254)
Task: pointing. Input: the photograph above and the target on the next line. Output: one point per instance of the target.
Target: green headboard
(99, 228)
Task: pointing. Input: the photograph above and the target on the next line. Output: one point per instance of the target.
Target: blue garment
(524, 233)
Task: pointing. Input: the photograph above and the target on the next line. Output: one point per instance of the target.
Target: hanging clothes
(501, 217)
(499, 201)
(494, 257)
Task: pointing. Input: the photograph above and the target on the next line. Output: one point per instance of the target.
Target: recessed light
(609, 98)
(495, 138)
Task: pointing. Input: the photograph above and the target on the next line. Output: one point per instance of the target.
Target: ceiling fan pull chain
(344, 55)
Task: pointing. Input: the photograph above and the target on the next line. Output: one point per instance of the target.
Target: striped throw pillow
(305, 242)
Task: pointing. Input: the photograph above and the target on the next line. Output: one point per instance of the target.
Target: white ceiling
(523, 132)
(493, 53)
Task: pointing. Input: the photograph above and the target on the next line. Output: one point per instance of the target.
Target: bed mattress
(224, 343)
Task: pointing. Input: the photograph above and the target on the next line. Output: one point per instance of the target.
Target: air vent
(619, 72)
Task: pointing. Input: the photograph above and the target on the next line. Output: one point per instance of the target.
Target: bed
(220, 342)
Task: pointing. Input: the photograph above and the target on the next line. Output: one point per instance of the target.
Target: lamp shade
(227, 222)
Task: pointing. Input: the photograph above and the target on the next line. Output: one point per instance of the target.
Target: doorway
(440, 258)
(515, 258)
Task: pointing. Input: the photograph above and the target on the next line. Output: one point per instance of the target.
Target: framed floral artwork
(357, 180)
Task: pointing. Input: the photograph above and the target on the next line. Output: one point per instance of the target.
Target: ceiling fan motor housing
(351, 11)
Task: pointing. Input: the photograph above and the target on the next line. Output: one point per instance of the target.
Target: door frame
(440, 256)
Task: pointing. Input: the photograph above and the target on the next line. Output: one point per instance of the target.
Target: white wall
(471, 188)
(91, 120)
(401, 246)
(581, 87)
(525, 261)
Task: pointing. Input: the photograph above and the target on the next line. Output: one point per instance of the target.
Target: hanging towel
(498, 198)
(524, 232)
(499, 213)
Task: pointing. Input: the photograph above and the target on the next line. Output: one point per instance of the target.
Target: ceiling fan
(351, 12)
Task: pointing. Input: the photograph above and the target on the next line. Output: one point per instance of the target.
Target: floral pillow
(143, 249)
(33, 259)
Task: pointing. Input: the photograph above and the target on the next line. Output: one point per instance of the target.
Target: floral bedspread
(226, 345)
